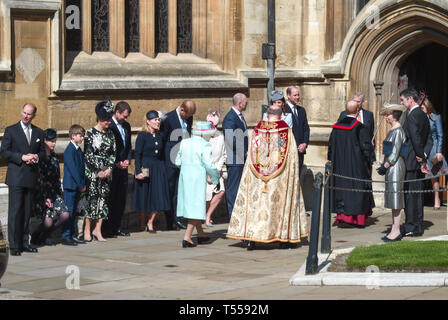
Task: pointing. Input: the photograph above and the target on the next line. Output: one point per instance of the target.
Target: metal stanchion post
(326, 217)
(312, 260)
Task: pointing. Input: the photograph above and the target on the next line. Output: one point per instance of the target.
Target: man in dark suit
(175, 126)
(366, 118)
(300, 127)
(417, 129)
(236, 141)
(119, 187)
(23, 146)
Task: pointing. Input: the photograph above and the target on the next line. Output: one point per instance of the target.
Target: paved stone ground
(155, 266)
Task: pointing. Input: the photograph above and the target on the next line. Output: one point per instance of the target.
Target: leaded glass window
(184, 26)
(100, 25)
(161, 22)
(132, 26)
(73, 33)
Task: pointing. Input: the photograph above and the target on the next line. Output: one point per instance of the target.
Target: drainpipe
(268, 50)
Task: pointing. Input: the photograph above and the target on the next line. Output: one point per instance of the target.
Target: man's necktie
(120, 127)
(244, 121)
(294, 110)
(27, 134)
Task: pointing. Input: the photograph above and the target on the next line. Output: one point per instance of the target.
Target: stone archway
(373, 56)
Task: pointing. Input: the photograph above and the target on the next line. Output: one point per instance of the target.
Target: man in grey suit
(23, 147)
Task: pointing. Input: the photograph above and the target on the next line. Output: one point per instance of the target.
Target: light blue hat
(202, 128)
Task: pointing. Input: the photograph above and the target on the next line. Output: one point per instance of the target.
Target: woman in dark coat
(151, 192)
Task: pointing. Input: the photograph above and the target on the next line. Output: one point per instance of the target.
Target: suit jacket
(417, 131)
(14, 146)
(74, 175)
(124, 152)
(300, 127)
(170, 123)
(236, 140)
(369, 125)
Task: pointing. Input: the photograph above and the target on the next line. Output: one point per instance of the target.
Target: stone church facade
(64, 56)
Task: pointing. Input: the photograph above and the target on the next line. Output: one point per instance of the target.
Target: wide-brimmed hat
(392, 107)
(104, 110)
(203, 128)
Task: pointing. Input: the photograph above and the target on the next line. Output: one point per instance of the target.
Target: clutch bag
(145, 172)
(387, 147)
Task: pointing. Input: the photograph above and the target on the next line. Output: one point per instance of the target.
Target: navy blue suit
(236, 141)
(119, 184)
(21, 179)
(172, 134)
(73, 182)
(300, 129)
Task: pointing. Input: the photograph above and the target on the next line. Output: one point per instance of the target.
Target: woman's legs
(64, 216)
(150, 223)
(87, 228)
(198, 225)
(396, 218)
(97, 231)
(436, 187)
(216, 199)
(189, 230)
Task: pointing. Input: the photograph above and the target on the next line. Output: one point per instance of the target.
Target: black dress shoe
(77, 240)
(15, 252)
(180, 225)
(250, 245)
(411, 234)
(123, 233)
(202, 240)
(186, 244)
(27, 248)
(150, 230)
(69, 242)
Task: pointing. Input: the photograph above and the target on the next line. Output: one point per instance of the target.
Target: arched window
(360, 4)
(161, 25)
(132, 26)
(184, 26)
(73, 40)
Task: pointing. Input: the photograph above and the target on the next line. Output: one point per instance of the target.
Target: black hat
(50, 134)
(152, 114)
(104, 110)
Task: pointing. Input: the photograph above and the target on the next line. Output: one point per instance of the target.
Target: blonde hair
(146, 127)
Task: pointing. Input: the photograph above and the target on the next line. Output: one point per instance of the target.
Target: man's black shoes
(69, 242)
(123, 233)
(27, 248)
(78, 241)
(180, 225)
(412, 234)
(15, 252)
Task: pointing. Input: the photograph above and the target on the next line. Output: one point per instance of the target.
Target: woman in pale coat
(215, 193)
(195, 161)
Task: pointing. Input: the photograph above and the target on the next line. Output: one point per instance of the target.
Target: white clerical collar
(414, 107)
(351, 115)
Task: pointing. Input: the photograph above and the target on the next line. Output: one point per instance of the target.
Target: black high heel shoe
(397, 238)
(202, 240)
(250, 245)
(186, 244)
(150, 230)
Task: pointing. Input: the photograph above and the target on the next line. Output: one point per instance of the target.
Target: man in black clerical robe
(349, 151)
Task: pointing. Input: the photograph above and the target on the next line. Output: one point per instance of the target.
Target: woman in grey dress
(395, 169)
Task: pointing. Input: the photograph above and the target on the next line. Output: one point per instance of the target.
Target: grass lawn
(402, 254)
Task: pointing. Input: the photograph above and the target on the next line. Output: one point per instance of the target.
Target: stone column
(117, 27)
(172, 27)
(87, 26)
(200, 28)
(378, 84)
(147, 28)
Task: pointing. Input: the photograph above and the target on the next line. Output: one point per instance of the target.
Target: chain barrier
(384, 191)
(379, 181)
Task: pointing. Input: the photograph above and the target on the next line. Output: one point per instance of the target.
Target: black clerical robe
(349, 151)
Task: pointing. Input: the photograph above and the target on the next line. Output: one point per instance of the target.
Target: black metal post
(312, 260)
(326, 217)
(268, 49)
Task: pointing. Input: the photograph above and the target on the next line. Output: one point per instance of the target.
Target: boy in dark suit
(73, 182)
(22, 146)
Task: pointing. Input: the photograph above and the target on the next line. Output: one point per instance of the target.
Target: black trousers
(173, 181)
(117, 201)
(413, 203)
(19, 212)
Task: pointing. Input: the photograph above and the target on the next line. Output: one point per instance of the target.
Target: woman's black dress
(151, 194)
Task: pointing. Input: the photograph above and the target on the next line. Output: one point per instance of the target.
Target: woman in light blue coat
(435, 122)
(195, 161)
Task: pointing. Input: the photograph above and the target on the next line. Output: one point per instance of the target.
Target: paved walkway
(155, 266)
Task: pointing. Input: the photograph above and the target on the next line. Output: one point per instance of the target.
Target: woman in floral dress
(99, 153)
(50, 206)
